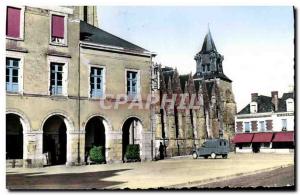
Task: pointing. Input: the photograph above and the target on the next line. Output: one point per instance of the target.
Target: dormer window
(253, 107)
(290, 105)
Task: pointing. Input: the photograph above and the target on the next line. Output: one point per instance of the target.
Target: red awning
(283, 137)
(262, 137)
(243, 138)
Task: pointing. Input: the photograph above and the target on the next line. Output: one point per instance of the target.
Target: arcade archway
(14, 137)
(95, 134)
(55, 140)
(131, 133)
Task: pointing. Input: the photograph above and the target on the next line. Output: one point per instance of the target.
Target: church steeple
(209, 61)
(208, 44)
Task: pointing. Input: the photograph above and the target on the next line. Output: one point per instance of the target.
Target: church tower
(209, 61)
(209, 71)
(87, 14)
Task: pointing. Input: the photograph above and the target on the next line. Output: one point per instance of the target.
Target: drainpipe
(78, 143)
(151, 107)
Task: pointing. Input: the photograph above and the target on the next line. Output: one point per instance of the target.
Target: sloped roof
(208, 44)
(99, 36)
(167, 72)
(264, 104)
(212, 76)
(183, 78)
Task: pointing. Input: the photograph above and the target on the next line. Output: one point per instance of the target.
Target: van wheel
(195, 155)
(213, 155)
(224, 156)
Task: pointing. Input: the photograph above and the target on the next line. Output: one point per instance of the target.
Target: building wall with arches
(33, 122)
(35, 103)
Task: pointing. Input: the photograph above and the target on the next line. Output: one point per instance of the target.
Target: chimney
(254, 97)
(275, 99)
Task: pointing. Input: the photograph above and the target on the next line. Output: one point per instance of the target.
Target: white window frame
(65, 41)
(138, 93)
(264, 123)
(290, 108)
(20, 56)
(103, 77)
(21, 38)
(249, 127)
(253, 107)
(65, 61)
(286, 124)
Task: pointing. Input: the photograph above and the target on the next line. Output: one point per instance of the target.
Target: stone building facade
(182, 129)
(59, 67)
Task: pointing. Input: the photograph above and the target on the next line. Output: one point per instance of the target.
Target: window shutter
(269, 124)
(58, 26)
(254, 125)
(13, 22)
(239, 126)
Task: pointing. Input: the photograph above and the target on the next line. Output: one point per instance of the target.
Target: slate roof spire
(208, 44)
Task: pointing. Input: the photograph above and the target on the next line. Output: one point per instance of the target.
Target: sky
(256, 42)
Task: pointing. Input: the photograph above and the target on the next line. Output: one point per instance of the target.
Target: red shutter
(269, 124)
(254, 125)
(13, 22)
(239, 126)
(58, 26)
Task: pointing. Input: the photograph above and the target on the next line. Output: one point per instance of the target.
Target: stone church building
(182, 129)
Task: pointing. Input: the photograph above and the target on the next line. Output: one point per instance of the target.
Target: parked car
(212, 148)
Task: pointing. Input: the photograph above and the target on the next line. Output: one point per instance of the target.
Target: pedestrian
(161, 151)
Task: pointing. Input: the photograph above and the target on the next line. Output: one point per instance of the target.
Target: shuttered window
(269, 125)
(13, 22)
(254, 125)
(239, 126)
(57, 28)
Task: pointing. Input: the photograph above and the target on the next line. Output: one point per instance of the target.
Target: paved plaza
(169, 173)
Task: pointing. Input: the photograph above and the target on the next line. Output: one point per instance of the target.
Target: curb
(217, 179)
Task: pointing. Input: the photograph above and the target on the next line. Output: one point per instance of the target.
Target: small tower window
(208, 68)
(203, 68)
